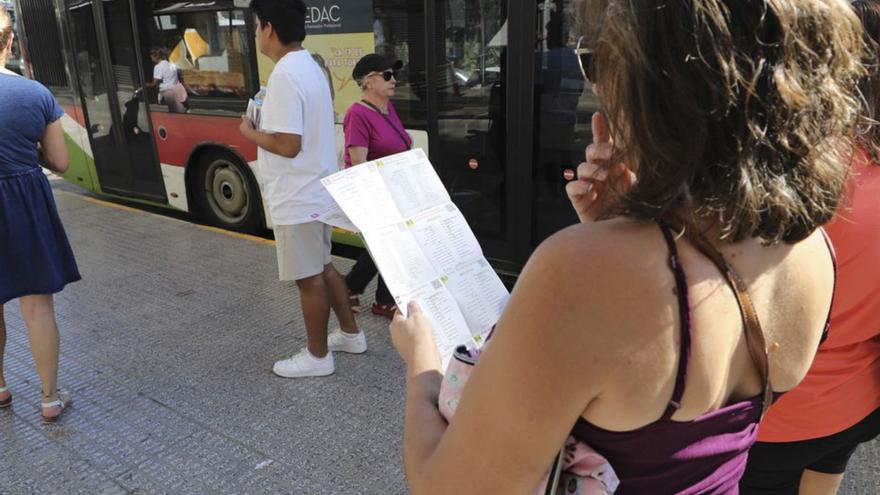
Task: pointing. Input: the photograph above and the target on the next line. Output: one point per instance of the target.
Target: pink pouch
(582, 470)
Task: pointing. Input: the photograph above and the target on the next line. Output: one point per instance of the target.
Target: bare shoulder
(604, 288)
(796, 295)
(601, 257)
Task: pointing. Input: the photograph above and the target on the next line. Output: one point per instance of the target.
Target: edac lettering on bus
(328, 14)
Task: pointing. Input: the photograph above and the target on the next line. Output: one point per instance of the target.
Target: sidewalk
(167, 347)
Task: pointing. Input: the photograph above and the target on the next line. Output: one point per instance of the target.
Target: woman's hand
(601, 178)
(413, 338)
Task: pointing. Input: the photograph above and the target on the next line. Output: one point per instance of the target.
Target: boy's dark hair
(288, 18)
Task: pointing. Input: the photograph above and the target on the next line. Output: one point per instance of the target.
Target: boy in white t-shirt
(297, 147)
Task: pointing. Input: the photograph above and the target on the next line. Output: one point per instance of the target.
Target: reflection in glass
(472, 110)
(564, 104)
(399, 33)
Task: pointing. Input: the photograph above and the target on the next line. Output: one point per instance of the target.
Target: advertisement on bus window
(338, 34)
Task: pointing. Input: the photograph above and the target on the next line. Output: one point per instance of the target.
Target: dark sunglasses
(585, 61)
(388, 74)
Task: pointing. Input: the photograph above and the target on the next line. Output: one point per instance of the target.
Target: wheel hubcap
(226, 191)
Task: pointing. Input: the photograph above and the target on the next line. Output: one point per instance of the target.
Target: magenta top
(704, 456)
(380, 135)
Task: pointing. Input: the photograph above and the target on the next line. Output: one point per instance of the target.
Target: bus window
(397, 33)
(210, 50)
(564, 104)
(471, 87)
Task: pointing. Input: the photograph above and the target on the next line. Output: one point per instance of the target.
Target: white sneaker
(339, 341)
(304, 364)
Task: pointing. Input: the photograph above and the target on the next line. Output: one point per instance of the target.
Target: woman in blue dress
(35, 257)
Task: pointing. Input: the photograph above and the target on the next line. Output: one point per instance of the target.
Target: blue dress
(35, 256)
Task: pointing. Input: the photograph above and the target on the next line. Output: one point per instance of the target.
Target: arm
(157, 77)
(523, 397)
(280, 143)
(54, 149)
(357, 135)
(282, 118)
(358, 154)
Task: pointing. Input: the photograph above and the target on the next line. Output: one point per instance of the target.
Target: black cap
(374, 62)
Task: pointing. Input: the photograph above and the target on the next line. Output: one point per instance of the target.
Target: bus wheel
(227, 192)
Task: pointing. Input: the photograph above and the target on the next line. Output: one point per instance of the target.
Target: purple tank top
(704, 456)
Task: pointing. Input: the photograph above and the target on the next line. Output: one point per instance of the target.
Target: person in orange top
(807, 438)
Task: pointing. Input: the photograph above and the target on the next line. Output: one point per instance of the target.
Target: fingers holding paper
(413, 337)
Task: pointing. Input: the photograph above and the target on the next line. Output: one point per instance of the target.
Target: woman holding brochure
(698, 284)
(372, 131)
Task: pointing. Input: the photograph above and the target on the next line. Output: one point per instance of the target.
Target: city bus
(491, 89)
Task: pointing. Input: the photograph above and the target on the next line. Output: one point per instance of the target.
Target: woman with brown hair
(697, 287)
(808, 437)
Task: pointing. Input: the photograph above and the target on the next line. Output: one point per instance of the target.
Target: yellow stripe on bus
(230, 233)
(111, 205)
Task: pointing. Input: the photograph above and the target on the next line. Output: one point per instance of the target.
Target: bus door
(106, 60)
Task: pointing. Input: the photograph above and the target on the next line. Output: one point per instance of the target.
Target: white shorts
(303, 249)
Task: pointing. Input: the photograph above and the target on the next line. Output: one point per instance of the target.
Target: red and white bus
(490, 88)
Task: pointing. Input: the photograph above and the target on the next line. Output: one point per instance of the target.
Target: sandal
(7, 401)
(386, 310)
(354, 302)
(63, 401)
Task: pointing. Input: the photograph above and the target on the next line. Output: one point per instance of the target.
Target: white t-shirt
(298, 102)
(167, 72)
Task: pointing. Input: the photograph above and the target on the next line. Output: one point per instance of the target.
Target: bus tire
(227, 193)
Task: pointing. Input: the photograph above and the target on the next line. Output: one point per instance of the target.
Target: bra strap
(684, 311)
(754, 334)
(833, 254)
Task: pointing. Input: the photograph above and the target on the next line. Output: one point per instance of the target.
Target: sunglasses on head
(585, 61)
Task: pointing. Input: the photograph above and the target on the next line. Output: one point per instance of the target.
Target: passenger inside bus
(167, 79)
(208, 47)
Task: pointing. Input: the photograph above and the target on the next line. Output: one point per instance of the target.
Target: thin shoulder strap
(754, 334)
(684, 311)
(833, 254)
(400, 134)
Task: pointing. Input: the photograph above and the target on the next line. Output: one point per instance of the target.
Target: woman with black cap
(373, 130)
